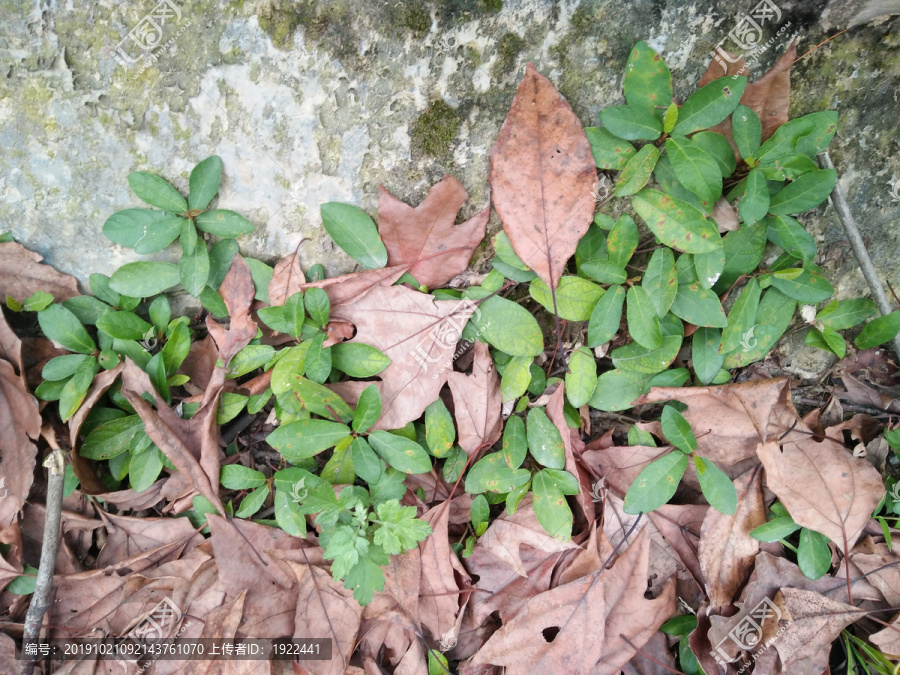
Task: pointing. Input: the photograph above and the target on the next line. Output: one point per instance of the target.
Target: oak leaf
(542, 177)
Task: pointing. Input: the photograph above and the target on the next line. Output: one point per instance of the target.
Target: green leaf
(744, 250)
(437, 663)
(358, 359)
(544, 440)
(144, 468)
(365, 578)
(515, 442)
(638, 436)
(249, 359)
(635, 358)
(718, 147)
(124, 326)
(827, 339)
(318, 359)
(660, 280)
(37, 301)
(506, 325)
(677, 430)
(821, 131)
(479, 513)
(637, 171)
(746, 129)
(288, 514)
(516, 378)
(194, 270)
(401, 453)
(709, 267)
(698, 306)
(189, 238)
(223, 223)
(679, 625)
(696, 170)
(221, 255)
(709, 105)
(86, 308)
(777, 528)
(754, 203)
(400, 529)
(213, 302)
(176, 349)
(306, 438)
(581, 377)
(492, 474)
(318, 306)
(813, 554)
(616, 389)
(320, 400)
(676, 377)
(631, 123)
(787, 233)
(808, 287)
(204, 182)
(668, 180)
(160, 313)
(670, 118)
(592, 246)
(63, 367)
(773, 316)
(610, 152)
(439, 429)
(239, 477)
(622, 241)
(368, 409)
(76, 388)
(63, 327)
(156, 192)
(25, 583)
(550, 506)
(575, 297)
(656, 484)
(144, 279)
(606, 317)
(741, 318)
(366, 463)
(504, 250)
(604, 271)
(807, 192)
(339, 469)
(705, 355)
(846, 313)
(716, 486)
(111, 439)
(677, 224)
(647, 82)
(878, 331)
(643, 322)
(353, 230)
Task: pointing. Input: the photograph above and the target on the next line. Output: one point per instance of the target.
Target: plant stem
(55, 463)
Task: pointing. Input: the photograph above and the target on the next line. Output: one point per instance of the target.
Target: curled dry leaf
(725, 215)
(542, 177)
(22, 274)
(425, 237)
(237, 291)
(20, 425)
(477, 402)
(727, 551)
(823, 486)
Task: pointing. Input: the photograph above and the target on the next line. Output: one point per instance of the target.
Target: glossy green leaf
(698, 306)
(575, 297)
(368, 409)
(223, 223)
(617, 389)
(822, 126)
(610, 152)
(194, 270)
(637, 171)
(516, 378)
(401, 453)
(827, 339)
(320, 400)
(353, 230)
(492, 474)
(777, 528)
(507, 326)
(544, 440)
(846, 313)
(440, 432)
(111, 439)
(878, 331)
(677, 430)
(213, 303)
(306, 438)
(160, 313)
(630, 123)
(638, 359)
(705, 355)
(746, 129)
(709, 267)
(710, 104)
(318, 306)
(789, 234)
(550, 506)
(86, 308)
(804, 193)
(676, 223)
(63, 327)
(741, 318)
(504, 250)
(606, 317)
(647, 82)
(249, 359)
(76, 388)
(366, 463)
(144, 230)
(581, 377)
(718, 147)
(604, 271)
(515, 442)
(643, 322)
(813, 554)
(622, 241)
(660, 280)
(754, 203)
(240, 477)
(744, 250)
(809, 287)
(144, 468)
(157, 192)
(773, 316)
(668, 180)
(339, 469)
(696, 169)
(204, 182)
(656, 484)
(177, 348)
(144, 278)
(318, 359)
(358, 359)
(592, 246)
(62, 367)
(716, 486)
(124, 325)
(221, 255)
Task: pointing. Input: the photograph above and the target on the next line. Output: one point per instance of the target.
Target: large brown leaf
(350, 287)
(237, 291)
(542, 177)
(287, 279)
(22, 274)
(571, 439)
(20, 424)
(727, 550)
(127, 536)
(823, 486)
(439, 593)
(477, 402)
(414, 331)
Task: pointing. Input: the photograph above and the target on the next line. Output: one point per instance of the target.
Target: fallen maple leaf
(542, 177)
(439, 594)
(287, 279)
(425, 237)
(20, 425)
(22, 274)
(237, 291)
(477, 402)
(348, 288)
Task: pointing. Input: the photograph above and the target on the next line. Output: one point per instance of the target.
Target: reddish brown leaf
(425, 237)
(127, 537)
(348, 288)
(727, 551)
(20, 424)
(439, 593)
(11, 347)
(888, 639)
(542, 177)
(287, 279)
(237, 291)
(476, 400)
(199, 365)
(880, 566)
(22, 274)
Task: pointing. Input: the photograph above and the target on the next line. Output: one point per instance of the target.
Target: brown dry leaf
(200, 365)
(22, 274)
(655, 658)
(823, 486)
(571, 440)
(350, 287)
(880, 566)
(439, 593)
(725, 215)
(127, 536)
(8, 662)
(888, 639)
(425, 237)
(621, 464)
(20, 424)
(810, 623)
(237, 291)
(477, 402)
(542, 177)
(287, 279)
(407, 326)
(11, 347)
(727, 551)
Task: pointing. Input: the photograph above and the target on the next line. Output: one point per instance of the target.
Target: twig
(55, 463)
(859, 248)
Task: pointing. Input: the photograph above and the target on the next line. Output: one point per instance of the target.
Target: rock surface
(308, 102)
